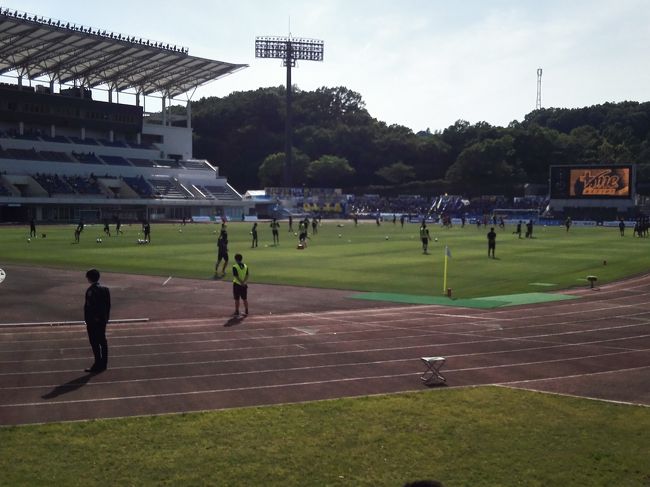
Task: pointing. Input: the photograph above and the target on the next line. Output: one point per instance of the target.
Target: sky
(423, 64)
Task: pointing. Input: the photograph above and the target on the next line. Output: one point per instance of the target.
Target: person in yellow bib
(240, 284)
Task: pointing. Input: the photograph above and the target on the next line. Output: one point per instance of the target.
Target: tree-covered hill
(339, 143)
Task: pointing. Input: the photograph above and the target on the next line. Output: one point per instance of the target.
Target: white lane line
(575, 376)
(307, 330)
(338, 365)
(487, 339)
(67, 323)
(291, 384)
(564, 394)
(309, 355)
(379, 324)
(550, 344)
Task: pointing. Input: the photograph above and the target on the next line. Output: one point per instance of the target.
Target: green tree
(330, 171)
(484, 165)
(271, 172)
(397, 173)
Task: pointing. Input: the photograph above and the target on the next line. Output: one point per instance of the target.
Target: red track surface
(597, 346)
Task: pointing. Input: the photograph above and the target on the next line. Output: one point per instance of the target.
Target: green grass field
(361, 259)
(479, 437)
(464, 437)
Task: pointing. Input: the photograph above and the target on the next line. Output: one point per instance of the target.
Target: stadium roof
(37, 46)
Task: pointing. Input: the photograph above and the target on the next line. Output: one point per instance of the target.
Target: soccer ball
(295, 234)
(340, 235)
(435, 239)
(180, 230)
(386, 237)
(29, 240)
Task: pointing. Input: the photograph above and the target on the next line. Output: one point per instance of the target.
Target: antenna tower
(538, 103)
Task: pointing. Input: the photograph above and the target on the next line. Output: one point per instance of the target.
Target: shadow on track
(233, 321)
(69, 386)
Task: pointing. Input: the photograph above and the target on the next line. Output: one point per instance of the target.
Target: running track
(597, 346)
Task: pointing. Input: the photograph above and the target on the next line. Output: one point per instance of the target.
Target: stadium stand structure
(66, 156)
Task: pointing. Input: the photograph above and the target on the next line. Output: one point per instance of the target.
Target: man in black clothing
(32, 228)
(147, 231)
(254, 234)
(97, 308)
(529, 229)
(492, 242)
(275, 227)
(222, 252)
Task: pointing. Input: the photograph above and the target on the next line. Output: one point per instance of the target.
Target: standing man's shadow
(233, 321)
(69, 386)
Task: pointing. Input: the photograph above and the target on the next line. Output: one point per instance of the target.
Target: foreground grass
(464, 437)
(360, 259)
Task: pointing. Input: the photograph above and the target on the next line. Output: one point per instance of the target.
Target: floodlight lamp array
(289, 49)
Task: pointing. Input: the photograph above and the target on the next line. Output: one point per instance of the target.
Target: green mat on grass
(487, 302)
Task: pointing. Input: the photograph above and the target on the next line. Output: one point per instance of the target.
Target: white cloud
(421, 63)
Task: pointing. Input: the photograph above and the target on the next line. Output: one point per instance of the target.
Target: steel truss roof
(41, 47)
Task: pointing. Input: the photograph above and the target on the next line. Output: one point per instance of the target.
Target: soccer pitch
(387, 259)
(480, 436)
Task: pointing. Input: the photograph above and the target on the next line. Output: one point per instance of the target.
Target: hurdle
(432, 373)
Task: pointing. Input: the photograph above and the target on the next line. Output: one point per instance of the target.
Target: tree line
(338, 143)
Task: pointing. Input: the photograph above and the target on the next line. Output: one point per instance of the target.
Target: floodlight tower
(538, 103)
(289, 50)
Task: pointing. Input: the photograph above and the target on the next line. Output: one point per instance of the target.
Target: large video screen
(569, 182)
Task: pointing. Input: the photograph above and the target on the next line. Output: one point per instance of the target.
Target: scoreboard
(591, 182)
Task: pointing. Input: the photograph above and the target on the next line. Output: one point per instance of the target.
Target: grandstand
(65, 155)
